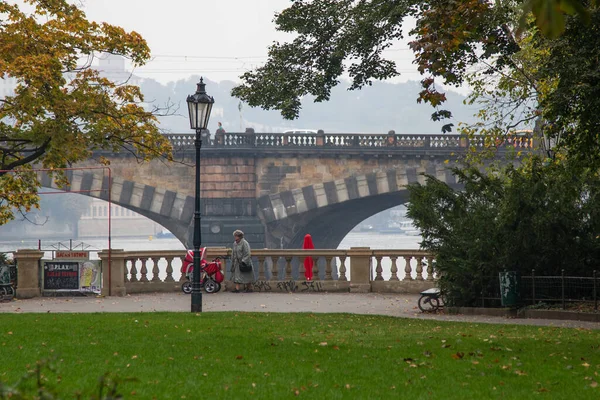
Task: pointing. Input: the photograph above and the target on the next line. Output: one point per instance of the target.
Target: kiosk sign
(71, 255)
(61, 275)
(72, 271)
(89, 276)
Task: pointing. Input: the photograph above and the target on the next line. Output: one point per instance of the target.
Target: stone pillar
(360, 269)
(391, 138)
(320, 137)
(28, 273)
(113, 272)
(250, 138)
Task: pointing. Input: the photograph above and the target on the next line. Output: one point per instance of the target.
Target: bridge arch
(170, 209)
(330, 210)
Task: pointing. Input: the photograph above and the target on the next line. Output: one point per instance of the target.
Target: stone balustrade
(359, 269)
(322, 140)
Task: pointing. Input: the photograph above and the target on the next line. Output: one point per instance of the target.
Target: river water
(353, 239)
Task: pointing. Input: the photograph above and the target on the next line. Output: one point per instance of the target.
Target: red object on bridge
(308, 261)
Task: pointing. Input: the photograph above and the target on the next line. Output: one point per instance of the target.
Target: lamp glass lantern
(199, 107)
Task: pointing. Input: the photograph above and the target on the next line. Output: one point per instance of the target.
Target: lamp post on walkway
(199, 106)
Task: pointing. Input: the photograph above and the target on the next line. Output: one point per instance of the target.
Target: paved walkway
(396, 305)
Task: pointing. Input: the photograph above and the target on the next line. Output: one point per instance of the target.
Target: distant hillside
(378, 108)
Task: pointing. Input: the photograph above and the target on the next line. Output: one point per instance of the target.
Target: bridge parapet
(391, 141)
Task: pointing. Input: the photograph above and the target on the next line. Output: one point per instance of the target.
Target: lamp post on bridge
(199, 106)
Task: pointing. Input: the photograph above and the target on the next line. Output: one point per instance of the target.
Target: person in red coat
(308, 261)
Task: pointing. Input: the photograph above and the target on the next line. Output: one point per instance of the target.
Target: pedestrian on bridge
(242, 269)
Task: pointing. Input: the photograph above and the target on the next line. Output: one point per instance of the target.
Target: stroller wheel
(211, 286)
(187, 287)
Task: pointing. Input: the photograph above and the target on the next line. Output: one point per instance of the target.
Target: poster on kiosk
(72, 271)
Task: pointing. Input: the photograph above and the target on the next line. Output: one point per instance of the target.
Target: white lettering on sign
(72, 255)
(62, 267)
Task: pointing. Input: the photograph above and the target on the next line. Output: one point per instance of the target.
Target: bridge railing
(347, 140)
(361, 140)
(357, 269)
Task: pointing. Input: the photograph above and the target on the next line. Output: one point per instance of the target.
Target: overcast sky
(219, 39)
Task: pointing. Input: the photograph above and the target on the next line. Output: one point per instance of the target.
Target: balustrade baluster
(169, 277)
(407, 269)
(144, 270)
(394, 270)
(287, 272)
(342, 272)
(155, 277)
(378, 268)
(261, 269)
(328, 276)
(328, 268)
(420, 268)
(133, 270)
(429, 268)
(274, 268)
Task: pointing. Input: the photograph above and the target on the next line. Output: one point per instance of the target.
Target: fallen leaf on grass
(458, 355)
(239, 357)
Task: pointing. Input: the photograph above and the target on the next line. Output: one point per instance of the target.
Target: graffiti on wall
(290, 286)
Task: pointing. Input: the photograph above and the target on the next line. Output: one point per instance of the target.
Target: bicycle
(431, 300)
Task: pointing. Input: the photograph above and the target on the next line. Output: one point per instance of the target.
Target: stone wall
(279, 175)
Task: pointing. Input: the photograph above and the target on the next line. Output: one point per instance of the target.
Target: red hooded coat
(308, 261)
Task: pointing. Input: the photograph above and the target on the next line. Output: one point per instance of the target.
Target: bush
(542, 216)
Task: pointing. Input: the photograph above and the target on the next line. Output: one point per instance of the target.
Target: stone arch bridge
(275, 187)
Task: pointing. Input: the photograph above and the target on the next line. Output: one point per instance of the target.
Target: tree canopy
(514, 52)
(62, 109)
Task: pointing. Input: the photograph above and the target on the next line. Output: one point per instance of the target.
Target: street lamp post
(199, 106)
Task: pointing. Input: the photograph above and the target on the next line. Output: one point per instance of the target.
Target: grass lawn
(234, 355)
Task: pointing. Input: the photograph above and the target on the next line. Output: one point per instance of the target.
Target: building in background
(124, 223)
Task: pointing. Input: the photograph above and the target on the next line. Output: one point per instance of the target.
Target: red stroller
(211, 274)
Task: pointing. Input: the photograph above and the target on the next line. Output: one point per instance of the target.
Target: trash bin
(509, 288)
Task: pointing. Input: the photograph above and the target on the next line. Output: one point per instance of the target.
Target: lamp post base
(196, 301)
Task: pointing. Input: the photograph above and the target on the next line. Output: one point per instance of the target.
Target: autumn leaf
(458, 355)
(520, 373)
